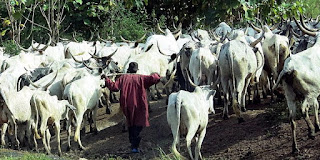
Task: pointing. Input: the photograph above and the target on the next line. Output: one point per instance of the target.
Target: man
(133, 100)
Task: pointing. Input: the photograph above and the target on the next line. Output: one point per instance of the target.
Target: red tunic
(133, 96)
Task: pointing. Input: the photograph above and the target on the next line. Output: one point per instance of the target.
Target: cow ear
(173, 56)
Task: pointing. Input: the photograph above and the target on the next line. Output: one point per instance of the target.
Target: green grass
(6, 154)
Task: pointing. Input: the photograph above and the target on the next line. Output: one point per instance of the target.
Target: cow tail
(232, 71)
(282, 73)
(34, 109)
(178, 119)
(277, 49)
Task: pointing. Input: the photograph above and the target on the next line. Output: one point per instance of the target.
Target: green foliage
(125, 23)
(10, 47)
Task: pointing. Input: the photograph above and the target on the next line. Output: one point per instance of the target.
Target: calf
(50, 110)
(190, 110)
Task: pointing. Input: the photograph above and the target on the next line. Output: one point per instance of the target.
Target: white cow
(203, 62)
(238, 65)
(300, 81)
(189, 110)
(84, 94)
(50, 110)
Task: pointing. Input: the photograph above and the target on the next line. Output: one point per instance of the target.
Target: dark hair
(133, 67)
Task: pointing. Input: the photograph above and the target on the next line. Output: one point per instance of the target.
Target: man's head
(133, 67)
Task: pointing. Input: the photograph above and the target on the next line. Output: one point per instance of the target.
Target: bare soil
(256, 138)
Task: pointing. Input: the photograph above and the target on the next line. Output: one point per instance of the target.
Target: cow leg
(57, 124)
(316, 112)
(77, 132)
(29, 130)
(69, 132)
(176, 138)
(305, 112)
(192, 130)
(15, 128)
(85, 120)
(225, 87)
(113, 97)
(48, 137)
(43, 128)
(199, 143)
(290, 97)
(94, 118)
(256, 95)
(3, 133)
(151, 93)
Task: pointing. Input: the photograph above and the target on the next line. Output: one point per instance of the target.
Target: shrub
(10, 47)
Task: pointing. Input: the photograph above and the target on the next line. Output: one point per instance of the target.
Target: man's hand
(103, 76)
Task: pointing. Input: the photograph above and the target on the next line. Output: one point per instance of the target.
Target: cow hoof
(83, 131)
(317, 128)
(295, 150)
(243, 109)
(312, 136)
(240, 120)
(225, 117)
(114, 101)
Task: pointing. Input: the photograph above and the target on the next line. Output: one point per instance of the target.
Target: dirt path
(257, 138)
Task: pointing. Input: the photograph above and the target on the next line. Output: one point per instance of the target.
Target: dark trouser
(134, 137)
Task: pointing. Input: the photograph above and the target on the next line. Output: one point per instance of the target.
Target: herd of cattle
(61, 83)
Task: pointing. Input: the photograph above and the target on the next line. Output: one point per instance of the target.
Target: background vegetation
(23, 20)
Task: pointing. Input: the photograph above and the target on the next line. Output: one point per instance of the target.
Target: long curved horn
(47, 45)
(304, 25)
(75, 59)
(160, 50)
(213, 34)
(91, 36)
(317, 20)
(257, 41)
(26, 50)
(109, 56)
(178, 29)
(91, 68)
(159, 28)
(255, 28)
(74, 37)
(294, 33)
(46, 86)
(190, 81)
(275, 26)
(176, 36)
(303, 29)
(141, 39)
(124, 40)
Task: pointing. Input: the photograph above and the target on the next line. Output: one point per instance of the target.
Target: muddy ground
(263, 135)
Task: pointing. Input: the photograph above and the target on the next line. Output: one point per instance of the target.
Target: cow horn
(124, 40)
(142, 38)
(176, 36)
(91, 68)
(46, 86)
(109, 56)
(74, 37)
(45, 47)
(190, 81)
(275, 26)
(317, 21)
(213, 34)
(160, 50)
(75, 59)
(159, 28)
(91, 36)
(294, 33)
(178, 29)
(303, 29)
(304, 25)
(26, 50)
(257, 41)
(255, 28)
